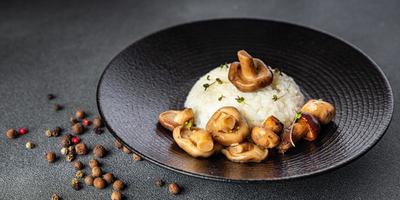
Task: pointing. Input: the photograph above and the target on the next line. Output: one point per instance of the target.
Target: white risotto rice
(256, 107)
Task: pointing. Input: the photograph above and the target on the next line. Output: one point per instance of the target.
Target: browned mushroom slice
(245, 152)
(173, 118)
(311, 124)
(249, 74)
(264, 137)
(273, 123)
(322, 110)
(196, 142)
(290, 137)
(228, 126)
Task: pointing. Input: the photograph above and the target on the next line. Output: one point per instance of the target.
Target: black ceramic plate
(156, 73)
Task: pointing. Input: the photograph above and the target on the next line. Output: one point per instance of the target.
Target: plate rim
(385, 123)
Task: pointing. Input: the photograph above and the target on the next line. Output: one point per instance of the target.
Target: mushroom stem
(247, 65)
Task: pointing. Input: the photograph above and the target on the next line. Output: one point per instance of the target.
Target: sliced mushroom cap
(311, 124)
(196, 142)
(322, 110)
(273, 123)
(173, 118)
(249, 74)
(264, 137)
(245, 152)
(288, 137)
(228, 126)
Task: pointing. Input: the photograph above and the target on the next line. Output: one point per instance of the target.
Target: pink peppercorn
(22, 131)
(86, 122)
(75, 140)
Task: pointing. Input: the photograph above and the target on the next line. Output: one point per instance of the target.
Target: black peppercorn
(99, 151)
(57, 107)
(66, 140)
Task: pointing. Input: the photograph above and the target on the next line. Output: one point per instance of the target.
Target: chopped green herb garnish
(297, 116)
(189, 124)
(206, 85)
(208, 77)
(219, 81)
(221, 97)
(224, 66)
(275, 97)
(239, 99)
(276, 70)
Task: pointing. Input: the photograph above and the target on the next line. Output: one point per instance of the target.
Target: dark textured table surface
(62, 48)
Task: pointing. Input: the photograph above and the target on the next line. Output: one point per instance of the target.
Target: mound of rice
(256, 107)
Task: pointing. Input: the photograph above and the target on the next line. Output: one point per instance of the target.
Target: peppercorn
(118, 185)
(81, 149)
(54, 196)
(99, 151)
(98, 131)
(126, 150)
(108, 177)
(75, 139)
(50, 96)
(70, 157)
(86, 122)
(57, 107)
(71, 149)
(48, 133)
(89, 180)
(80, 114)
(79, 174)
(50, 157)
(93, 163)
(75, 184)
(78, 165)
(77, 128)
(136, 157)
(64, 151)
(29, 145)
(117, 144)
(99, 183)
(66, 140)
(73, 120)
(56, 132)
(116, 195)
(97, 122)
(11, 133)
(96, 172)
(22, 131)
(159, 183)
(174, 188)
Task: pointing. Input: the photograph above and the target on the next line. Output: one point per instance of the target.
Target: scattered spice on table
(99, 183)
(78, 165)
(94, 163)
(174, 188)
(22, 131)
(86, 122)
(66, 140)
(75, 184)
(57, 107)
(77, 128)
(51, 96)
(80, 114)
(55, 196)
(50, 157)
(108, 177)
(29, 145)
(159, 183)
(116, 195)
(96, 172)
(99, 151)
(70, 157)
(126, 150)
(118, 185)
(89, 180)
(11, 133)
(136, 157)
(81, 149)
(97, 122)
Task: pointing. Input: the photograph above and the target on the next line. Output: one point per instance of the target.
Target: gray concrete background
(62, 48)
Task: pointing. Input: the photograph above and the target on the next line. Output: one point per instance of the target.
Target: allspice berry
(50, 157)
(99, 183)
(118, 185)
(96, 172)
(81, 149)
(108, 177)
(118, 144)
(174, 188)
(66, 140)
(97, 122)
(77, 128)
(89, 180)
(78, 165)
(11, 133)
(99, 151)
(80, 114)
(116, 195)
(126, 150)
(136, 157)
(93, 163)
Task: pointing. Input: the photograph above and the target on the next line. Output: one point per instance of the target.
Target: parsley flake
(221, 97)
(208, 77)
(275, 97)
(239, 99)
(219, 81)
